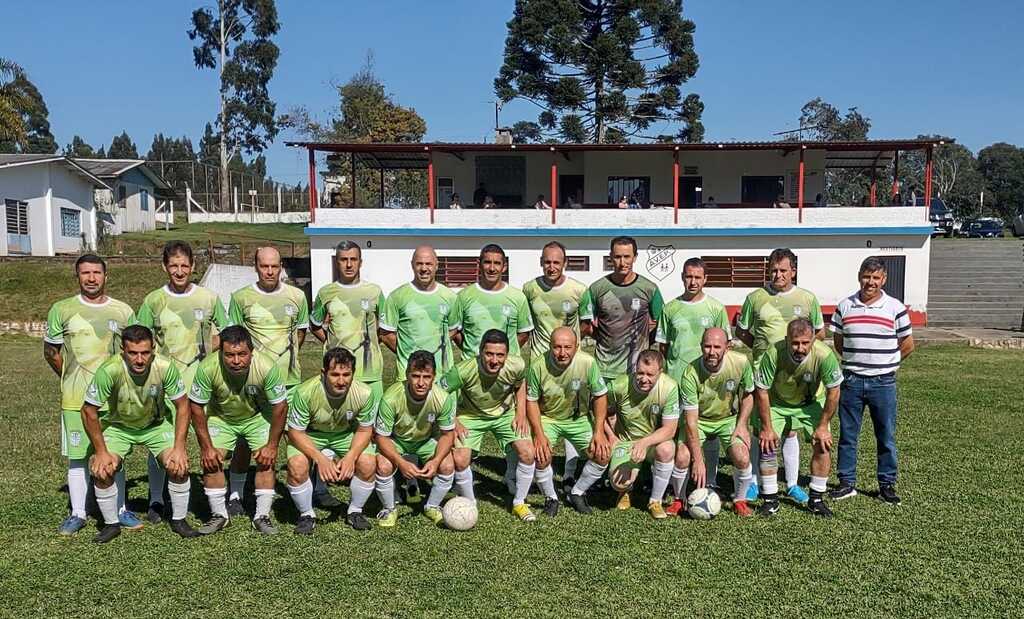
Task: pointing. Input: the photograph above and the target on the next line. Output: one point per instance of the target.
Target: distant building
(133, 190)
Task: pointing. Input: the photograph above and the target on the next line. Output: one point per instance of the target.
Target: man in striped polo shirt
(871, 331)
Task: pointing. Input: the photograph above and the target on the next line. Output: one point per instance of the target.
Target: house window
(577, 263)
(144, 199)
(736, 271)
(122, 196)
(459, 271)
(761, 190)
(70, 222)
(17, 216)
(634, 188)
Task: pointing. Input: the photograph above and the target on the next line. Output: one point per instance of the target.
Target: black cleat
(579, 503)
(326, 500)
(155, 513)
(567, 485)
(551, 507)
(264, 526)
(358, 521)
(107, 533)
(304, 525)
(816, 505)
(887, 493)
(214, 524)
(235, 508)
(184, 529)
(844, 490)
(769, 506)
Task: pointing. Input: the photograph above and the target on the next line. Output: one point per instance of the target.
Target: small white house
(133, 191)
(48, 205)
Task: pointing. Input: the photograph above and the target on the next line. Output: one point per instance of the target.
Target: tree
(13, 103)
(175, 159)
(237, 41)
(122, 147)
(602, 70)
(1002, 166)
(955, 175)
(79, 148)
(35, 120)
(822, 121)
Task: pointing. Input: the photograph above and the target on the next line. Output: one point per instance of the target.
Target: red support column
(554, 185)
(430, 186)
(874, 190)
(675, 186)
(895, 173)
(800, 188)
(312, 186)
(928, 181)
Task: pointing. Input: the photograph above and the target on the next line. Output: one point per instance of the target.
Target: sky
(912, 67)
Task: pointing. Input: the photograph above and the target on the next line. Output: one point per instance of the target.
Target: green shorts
(156, 438)
(721, 428)
(338, 442)
(498, 427)
(74, 442)
(424, 450)
(621, 458)
(577, 431)
(800, 419)
(224, 434)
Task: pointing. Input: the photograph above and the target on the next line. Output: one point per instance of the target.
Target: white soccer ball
(460, 513)
(703, 504)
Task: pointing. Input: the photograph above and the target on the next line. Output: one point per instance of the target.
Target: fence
(248, 191)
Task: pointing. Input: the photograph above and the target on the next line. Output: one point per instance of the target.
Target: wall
(29, 184)
(299, 217)
(71, 191)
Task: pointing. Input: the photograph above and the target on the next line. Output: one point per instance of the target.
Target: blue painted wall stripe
(607, 232)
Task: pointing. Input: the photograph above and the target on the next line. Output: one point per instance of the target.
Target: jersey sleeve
(144, 316)
(657, 304)
(764, 376)
(595, 381)
(236, 317)
(302, 320)
(220, 318)
(273, 386)
(722, 321)
(689, 390)
(532, 384)
(389, 313)
(831, 373)
(816, 318)
(385, 422)
(661, 334)
(524, 319)
(99, 390)
(174, 385)
(747, 378)
(671, 406)
(368, 413)
(298, 411)
(202, 386)
(746, 318)
(587, 305)
(452, 380)
(319, 313)
(455, 315)
(446, 421)
(54, 327)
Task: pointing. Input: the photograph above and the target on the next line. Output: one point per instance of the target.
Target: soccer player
(563, 387)
(331, 411)
(491, 394)
(137, 384)
(238, 394)
(81, 333)
(787, 383)
(646, 409)
(417, 418)
(717, 395)
(185, 319)
(762, 323)
(488, 304)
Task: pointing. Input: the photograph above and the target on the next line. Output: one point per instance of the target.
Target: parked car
(984, 228)
(1018, 224)
(940, 217)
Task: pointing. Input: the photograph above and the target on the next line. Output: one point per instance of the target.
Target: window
(577, 263)
(459, 271)
(122, 196)
(761, 190)
(144, 199)
(70, 222)
(607, 265)
(17, 216)
(736, 271)
(502, 178)
(633, 188)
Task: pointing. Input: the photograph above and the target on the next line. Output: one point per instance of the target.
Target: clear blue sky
(955, 68)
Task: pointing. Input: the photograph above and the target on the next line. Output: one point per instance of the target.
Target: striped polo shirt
(871, 333)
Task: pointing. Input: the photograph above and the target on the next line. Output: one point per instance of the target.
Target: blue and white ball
(703, 504)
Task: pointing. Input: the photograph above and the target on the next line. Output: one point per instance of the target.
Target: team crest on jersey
(705, 321)
(431, 417)
(730, 385)
(576, 384)
(112, 325)
(75, 438)
(195, 389)
(808, 377)
(442, 308)
(506, 310)
(444, 383)
(365, 304)
(252, 389)
(198, 314)
(349, 414)
(660, 261)
(153, 391)
(836, 375)
(567, 306)
(214, 431)
(92, 392)
(798, 311)
(656, 409)
(635, 304)
(279, 389)
(291, 310)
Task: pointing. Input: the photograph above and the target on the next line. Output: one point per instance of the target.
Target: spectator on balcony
(541, 204)
(633, 201)
(623, 203)
(819, 200)
(480, 195)
(710, 203)
(780, 202)
(456, 203)
(489, 202)
(575, 200)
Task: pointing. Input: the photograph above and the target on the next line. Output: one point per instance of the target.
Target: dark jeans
(878, 393)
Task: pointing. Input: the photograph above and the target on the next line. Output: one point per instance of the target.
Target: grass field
(221, 232)
(953, 548)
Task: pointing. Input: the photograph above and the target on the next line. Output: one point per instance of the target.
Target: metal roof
(111, 169)
(13, 161)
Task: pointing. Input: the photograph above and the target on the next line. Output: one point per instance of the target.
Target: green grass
(221, 232)
(953, 548)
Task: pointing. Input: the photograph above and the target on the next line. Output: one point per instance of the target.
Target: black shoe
(551, 507)
(155, 513)
(304, 526)
(358, 521)
(769, 506)
(264, 526)
(844, 490)
(326, 500)
(887, 493)
(235, 508)
(579, 503)
(107, 533)
(184, 529)
(816, 505)
(567, 485)
(412, 488)
(214, 524)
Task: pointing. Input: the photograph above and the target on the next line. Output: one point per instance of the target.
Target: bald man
(566, 400)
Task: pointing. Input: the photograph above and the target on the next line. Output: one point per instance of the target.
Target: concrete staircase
(976, 283)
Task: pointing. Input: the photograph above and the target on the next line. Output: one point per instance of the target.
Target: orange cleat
(743, 509)
(677, 508)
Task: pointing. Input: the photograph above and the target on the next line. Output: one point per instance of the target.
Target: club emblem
(443, 309)
(660, 261)
(112, 325)
(506, 310)
(576, 383)
(252, 389)
(76, 438)
(195, 389)
(635, 304)
(705, 321)
(730, 385)
(198, 314)
(798, 311)
(92, 391)
(656, 409)
(365, 304)
(214, 431)
(430, 418)
(567, 306)
(349, 415)
(808, 377)
(279, 389)
(290, 310)
(152, 391)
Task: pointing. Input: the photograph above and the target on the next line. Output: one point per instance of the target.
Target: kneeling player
(716, 392)
(646, 409)
(788, 382)
(416, 418)
(332, 412)
(562, 387)
(135, 385)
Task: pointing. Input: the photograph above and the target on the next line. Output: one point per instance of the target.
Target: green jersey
(766, 314)
(623, 314)
(272, 318)
(407, 420)
(352, 313)
(88, 333)
(420, 321)
(136, 402)
(717, 395)
(237, 398)
(681, 327)
(552, 307)
(481, 395)
(797, 384)
(312, 409)
(638, 414)
(183, 324)
(564, 393)
(477, 311)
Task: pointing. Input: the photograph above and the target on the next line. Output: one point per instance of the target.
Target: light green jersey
(352, 313)
(272, 318)
(311, 409)
(135, 402)
(420, 321)
(88, 333)
(797, 384)
(407, 420)
(481, 395)
(477, 311)
(550, 308)
(681, 327)
(716, 395)
(638, 414)
(237, 398)
(623, 314)
(183, 324)
(766, 314)
(564, 393)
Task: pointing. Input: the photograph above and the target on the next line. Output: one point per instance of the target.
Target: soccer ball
(460, 513)
(703, 504)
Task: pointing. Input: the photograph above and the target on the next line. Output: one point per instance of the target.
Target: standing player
(417, 418)
(488, 304)
(137, 384)
(185, 319)
(646, 409)
(335, 412)
(787, 381)
(492, 399)
(81, 333)
(717, 395)
(238, 395)
(563, 388)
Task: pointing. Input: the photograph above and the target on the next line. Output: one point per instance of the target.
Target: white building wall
(28, 183)
(71, 191)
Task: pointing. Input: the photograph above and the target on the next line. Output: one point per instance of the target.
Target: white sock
(741, 479)
(819, 484)
(106, 499)
(464, 483)
(386, 491)
(678, 480)
(236, 481)
(78, 486)
(572, 457)
(711, 450)
(592, 472)
(662, 474)
(361, 491)
(216, 496)
(122, 492)
(179, 498)
(546, 482)
(769, 483)
(442, 484)
(303, 497)
(157, 477)
(264, 499)
(791, 460)
(524, 479)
